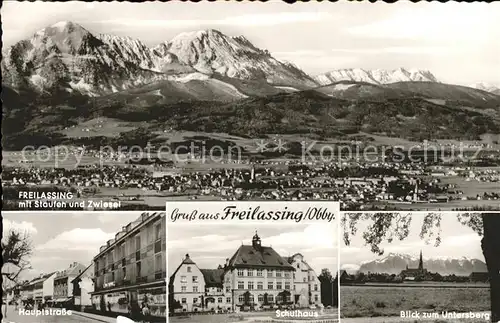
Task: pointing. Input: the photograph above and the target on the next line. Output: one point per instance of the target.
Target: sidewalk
(95, 317)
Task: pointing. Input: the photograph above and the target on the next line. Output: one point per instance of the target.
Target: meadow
(376, 301)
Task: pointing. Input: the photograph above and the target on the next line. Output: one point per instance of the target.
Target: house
(83, 286)
(479, 277)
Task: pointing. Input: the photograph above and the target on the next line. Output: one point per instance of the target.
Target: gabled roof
(186, 261)
(83, 272)
(258, 257)
(213, 277)
(41, 278)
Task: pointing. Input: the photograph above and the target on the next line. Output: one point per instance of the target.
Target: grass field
(359, 301)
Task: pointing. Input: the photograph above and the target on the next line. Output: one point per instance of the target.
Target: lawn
(359, 301)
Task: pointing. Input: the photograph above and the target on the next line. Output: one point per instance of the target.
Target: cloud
(78, 240)
(462, 240)
(23, 226)
(248, 20)
(432, 21)
(433, 50)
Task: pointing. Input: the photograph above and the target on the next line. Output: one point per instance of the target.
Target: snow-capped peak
(377, 76)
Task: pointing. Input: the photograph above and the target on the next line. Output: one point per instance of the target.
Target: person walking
(145, 313)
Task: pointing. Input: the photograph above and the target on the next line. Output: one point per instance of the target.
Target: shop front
(155, 298)
(117, 302)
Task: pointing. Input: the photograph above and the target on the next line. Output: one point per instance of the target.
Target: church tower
(421, 263)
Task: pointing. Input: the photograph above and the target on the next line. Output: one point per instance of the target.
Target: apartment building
(131, 268)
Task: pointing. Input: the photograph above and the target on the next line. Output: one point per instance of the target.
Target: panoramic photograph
(352, 102)
(429, 266)
(83, 267)
(252, 272)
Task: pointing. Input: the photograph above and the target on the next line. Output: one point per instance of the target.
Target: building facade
(83, 286)
(131, 268)
(306, 285)
(43, 288)
(63, 288)
(255, 277)
(188, 285)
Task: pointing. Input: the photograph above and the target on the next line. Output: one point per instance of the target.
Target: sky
(457, 241)
(211, 244)
(457, 42)
(61, 238)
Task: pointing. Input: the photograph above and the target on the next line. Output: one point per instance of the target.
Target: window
(195, 300)
(270, 285)
(260, 285)
(316, 287)
(294, 276)
(195, 289)
(287, 286)
(250, 285)
(241, 273)
(138, 269)
(259, 273)
(113, 276)
(158, 263)
(278, 273)
(270, 298)
(188, 269)
(195, 279)
(305, 279)
(183, 279)
(228, 289)
(288, 298)
(228, 300)
(124, 272)
(269, 273)
(241, 298)
(183, 301)
(298, 266)
(316, 298)
(260, 298)
(138, 242)
(250, 273)
(279, 285)
(241, 285)
(183, 289)
(158, 231)
(219, 300)
(287, 274)
(219, 290)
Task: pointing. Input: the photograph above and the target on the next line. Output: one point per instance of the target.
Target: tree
(16, 251)
(329, 287)
(390, 226)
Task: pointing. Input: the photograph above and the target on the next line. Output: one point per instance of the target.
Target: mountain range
(66, 55)
(394, 263)
(207, 81)
(375, 76)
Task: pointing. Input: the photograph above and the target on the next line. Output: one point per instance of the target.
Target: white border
(336, 211)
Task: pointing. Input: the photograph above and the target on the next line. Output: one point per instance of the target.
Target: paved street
(13, 316)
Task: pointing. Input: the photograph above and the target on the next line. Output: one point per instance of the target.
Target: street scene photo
(252, 272)
(420, 266)
(83, 267)
(360, 103)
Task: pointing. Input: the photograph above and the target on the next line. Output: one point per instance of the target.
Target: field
(375, 301)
